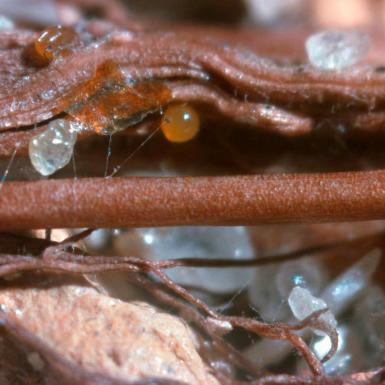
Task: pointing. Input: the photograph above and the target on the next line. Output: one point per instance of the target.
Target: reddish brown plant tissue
(117, 74)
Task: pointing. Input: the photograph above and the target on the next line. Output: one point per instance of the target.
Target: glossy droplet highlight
(180, 123)
(336, 50)
(52, 149)
(56, 41)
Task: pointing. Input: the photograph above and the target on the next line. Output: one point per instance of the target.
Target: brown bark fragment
(124, 202)
(256, 78)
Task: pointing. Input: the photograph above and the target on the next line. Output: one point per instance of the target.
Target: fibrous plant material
(54, 258)
(124, 202)
(289, 99)
(302, 304)
(124, 79)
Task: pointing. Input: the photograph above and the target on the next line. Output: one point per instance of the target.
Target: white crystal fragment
(269, 290)
(41, 12)
(322, 346)
(196, 242)
(370, 311)
(347, 354)
(52, 149)
(302, 303)
(270, 11)
(344, 289)
(98, 239)
(338, 295)
(264, 294)
(336, 50)
(305, 273)
(6, 24)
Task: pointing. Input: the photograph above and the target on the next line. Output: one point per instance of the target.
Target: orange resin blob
(109, 103)
(180, 123)
(56, 41)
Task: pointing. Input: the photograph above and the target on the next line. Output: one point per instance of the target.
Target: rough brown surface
(139, 202)
(264, 110)
(130, 341)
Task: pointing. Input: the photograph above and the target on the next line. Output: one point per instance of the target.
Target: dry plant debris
(115, 77)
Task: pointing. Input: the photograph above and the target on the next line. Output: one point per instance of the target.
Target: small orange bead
(180, 123)
(56, 41)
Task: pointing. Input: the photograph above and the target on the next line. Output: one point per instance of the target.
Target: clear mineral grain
(336, 50)
(52, 149)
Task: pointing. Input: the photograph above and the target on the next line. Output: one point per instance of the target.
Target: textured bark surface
(287, 98)
(263, 109)
(139, 202)
(102, 335)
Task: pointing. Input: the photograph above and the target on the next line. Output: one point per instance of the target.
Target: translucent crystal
(268, 292)
(370, 315)
(345, 288)
(347, 357)
(361, 338)
(6, 24)
(303, 273)
(39, 12)
(302, 303)
(336, 50)
(198, 242)
(264, 295)
(322, 346)
(339, 295)
(52, 149)
(98, 240)
(270, 11)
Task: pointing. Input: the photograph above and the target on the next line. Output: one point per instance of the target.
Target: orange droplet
(180, 123)
(56, 41)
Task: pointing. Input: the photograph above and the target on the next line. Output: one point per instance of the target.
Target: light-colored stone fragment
(131, 341)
